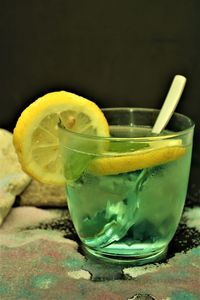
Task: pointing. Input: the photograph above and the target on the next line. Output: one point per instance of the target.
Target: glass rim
(138, 139)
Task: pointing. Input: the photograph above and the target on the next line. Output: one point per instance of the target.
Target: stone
(39, 194)
(22, 217)
(12, 179)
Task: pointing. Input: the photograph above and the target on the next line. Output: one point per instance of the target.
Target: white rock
(12, 179)
(40, 194)
(22, 217)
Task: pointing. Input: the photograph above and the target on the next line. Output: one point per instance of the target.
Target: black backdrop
(118, 53)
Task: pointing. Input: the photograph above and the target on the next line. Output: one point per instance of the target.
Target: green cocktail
(126, 193)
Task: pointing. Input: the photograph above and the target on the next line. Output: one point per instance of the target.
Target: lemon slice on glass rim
(37, 141)
(36, 134)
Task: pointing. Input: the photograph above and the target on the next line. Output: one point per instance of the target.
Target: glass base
(133, 260)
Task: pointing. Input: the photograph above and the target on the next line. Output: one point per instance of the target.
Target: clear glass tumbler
(126, 192)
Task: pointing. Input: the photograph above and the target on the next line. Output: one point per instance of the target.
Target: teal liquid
(129, 215)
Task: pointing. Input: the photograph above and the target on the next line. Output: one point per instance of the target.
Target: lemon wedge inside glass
(155, 154)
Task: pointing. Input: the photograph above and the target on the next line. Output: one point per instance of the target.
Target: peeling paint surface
(40, 258)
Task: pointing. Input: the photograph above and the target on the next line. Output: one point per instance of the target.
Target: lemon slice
(36, 135)
(140, 159)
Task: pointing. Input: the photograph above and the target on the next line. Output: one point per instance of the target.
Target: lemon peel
(136, 161)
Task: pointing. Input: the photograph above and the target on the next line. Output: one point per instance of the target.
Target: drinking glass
(126, 192)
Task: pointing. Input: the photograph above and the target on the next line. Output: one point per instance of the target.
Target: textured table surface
(40, 258)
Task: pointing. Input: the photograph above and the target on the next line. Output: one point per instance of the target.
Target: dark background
(118, 53)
